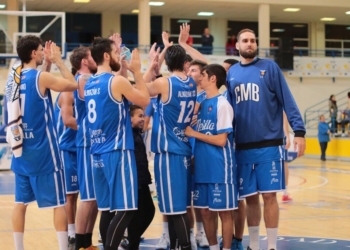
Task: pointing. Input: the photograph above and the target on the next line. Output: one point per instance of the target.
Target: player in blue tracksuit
(259, 93)
(215, 184)
(107, 110)
(39, 171)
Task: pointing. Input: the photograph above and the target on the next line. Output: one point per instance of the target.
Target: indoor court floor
(318, 218)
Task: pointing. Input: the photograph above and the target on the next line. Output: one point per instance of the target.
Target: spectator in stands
(207, 42)
(323, 136)
(333, 111)
(346, 117)
(231, 46)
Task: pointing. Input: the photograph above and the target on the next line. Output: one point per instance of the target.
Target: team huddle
(212, 150)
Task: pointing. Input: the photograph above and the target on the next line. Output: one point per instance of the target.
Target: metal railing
(312, 114)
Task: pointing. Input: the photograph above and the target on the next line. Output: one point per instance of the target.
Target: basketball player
(40, 164)
(259, 93)
(106, 102)
(82, 61)
(195, 71)
(170, 145)
(238, 214)
(215, 190)
(66, 132)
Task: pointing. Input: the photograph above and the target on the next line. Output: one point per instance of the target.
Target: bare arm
(47, 62)
(122, 87)
(159, 87)
(217, 140)
(184, 34)
(67, 102)
(167, 44)
(48, 81)
(153, 69)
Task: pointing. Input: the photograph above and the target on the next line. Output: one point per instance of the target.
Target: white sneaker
(164, 242)
(201, 239)
(193, 242)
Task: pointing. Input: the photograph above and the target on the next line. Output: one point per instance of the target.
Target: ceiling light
(291, 9)
(156, 3)
(135, 11)
(278, 30)
(348, 28)
(183, 21)
(81, 1)
(348, 12)
(2, 6)
(327, 19)
(299, 25)
(205, 13)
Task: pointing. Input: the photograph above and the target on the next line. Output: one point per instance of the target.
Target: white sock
(254, 243)
(200, 227)
(214, 247)
(62, 238)
(71, 230)
(165, 229)
(285, 192)
(18, 237)
(271, 238)
(226, 249)
(191, 233)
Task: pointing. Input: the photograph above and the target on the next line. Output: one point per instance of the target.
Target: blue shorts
(267, 177)
(171, 176)
(85, 174)
(115, 177)
(69, 160)
(215, 196)
(47, 190)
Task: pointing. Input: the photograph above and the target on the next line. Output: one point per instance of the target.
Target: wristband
(159, 76)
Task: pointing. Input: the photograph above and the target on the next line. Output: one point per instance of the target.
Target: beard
(115, 66)
(92, 70)
(248, 55)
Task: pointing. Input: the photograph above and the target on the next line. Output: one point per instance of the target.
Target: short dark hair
(77, 55)
(99, 47)
(188, 58)
(132, 109)
(175, 58)
(73, 71)
(198, 63)
(25, 47)
(231, 61)
(218, 71)
(243, 31)
(330, 98)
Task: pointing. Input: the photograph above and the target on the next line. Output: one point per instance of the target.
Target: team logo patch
(262, 73)
(210, 108)
(16, 133)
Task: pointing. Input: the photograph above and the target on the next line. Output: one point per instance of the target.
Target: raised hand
(165, 38)
(184, 33)
(47, 51)
(153, 52)
(55, 53)
(135, 62)
(116, 38)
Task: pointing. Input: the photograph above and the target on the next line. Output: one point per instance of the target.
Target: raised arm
(48, 81)
(167, 44)
(184, 34)
(47, 62)
(122, 87)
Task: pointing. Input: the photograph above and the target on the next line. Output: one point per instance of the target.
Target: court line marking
(325, 181)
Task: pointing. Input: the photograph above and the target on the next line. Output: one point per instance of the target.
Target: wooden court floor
(321, 208)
